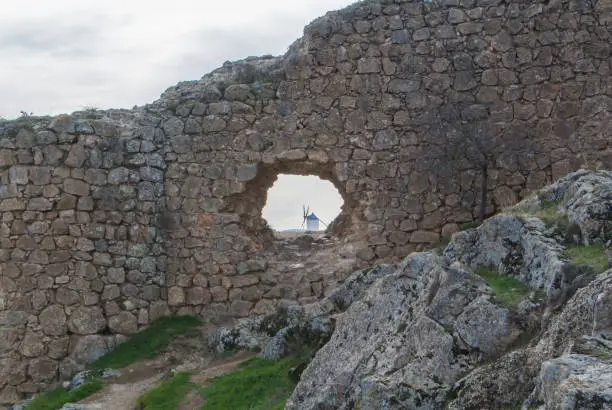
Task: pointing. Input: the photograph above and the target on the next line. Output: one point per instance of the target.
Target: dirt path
(194, 399)
(123, 393)
(121, 396)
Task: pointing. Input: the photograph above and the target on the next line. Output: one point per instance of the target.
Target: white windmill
(310, 219)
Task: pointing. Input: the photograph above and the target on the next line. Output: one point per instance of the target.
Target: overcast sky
(61, 56)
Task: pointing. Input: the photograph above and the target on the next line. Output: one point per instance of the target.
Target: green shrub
(508, 290)
(149, 342)
(168, 395)
(55, 399)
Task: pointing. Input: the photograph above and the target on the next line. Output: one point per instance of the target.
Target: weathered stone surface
(403, 325)
(10, 337)
(245, 280)
(123, 323)
(42, 369)
(576, 381)
(252, 266)
(198, 296)
(53, 320)
(584, 196)
(457, 309)
(58, 348)
(176, 296)
(424, 237)
(514, 378)
(76, 157)
(520, 244)
(76, 187)
(246, 172)
(12, 204)
(86, 321)
(116, 275)
(87, 349)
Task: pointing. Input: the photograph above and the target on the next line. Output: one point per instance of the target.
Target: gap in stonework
(298, 203)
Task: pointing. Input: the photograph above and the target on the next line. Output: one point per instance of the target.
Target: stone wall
(111, 219)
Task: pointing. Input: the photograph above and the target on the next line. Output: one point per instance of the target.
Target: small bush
(149, 342)
(55, 399)
(168, 395)
(508, 290)
(592, 255)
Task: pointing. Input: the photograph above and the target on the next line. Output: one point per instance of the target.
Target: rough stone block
(424, 237)
(76, 187)
(176, 296)
(53, 320)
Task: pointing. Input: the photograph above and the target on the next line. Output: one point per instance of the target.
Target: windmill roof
(312, 217)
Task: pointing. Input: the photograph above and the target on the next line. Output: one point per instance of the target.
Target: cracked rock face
(517, 375)
(518, 243)
(576, 382)
(407, 340)
(586, 198)
(426, 334)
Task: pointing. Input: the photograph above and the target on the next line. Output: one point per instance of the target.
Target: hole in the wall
(301, 203)
(249, 204)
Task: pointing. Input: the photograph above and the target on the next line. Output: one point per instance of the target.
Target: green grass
(592, 255)
(258, 385)
(55, 399)
(508, 290)
(168, 395)
(551, 216)
(149, 342)
(548, 213)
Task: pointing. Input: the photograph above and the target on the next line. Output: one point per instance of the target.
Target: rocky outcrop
(428, 333)
(513, 378)
(407, 340)
(576, 382)
(529, 240)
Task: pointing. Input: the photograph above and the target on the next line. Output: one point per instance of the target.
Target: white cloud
(60, 56)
